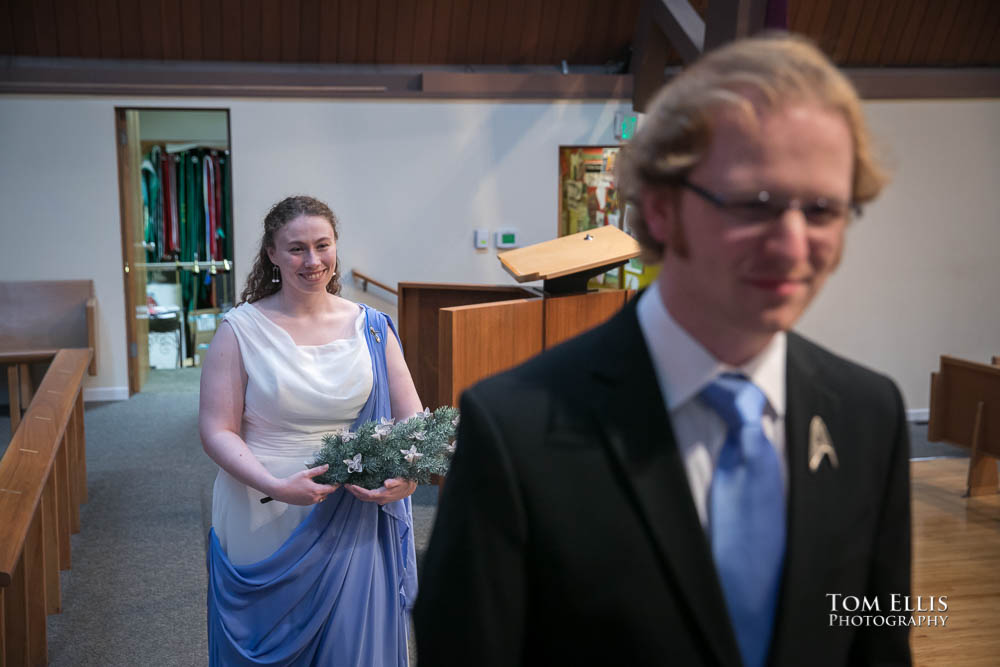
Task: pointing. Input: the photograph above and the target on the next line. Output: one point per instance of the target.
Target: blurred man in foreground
(690, 482)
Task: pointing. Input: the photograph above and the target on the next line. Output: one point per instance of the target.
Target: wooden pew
(41, 317)
(43, 481)
(965, 411)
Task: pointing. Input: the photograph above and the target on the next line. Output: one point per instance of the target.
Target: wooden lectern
(965, 411)
(455, 335)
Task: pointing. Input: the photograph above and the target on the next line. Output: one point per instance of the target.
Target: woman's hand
(390, 491)
(300, 489)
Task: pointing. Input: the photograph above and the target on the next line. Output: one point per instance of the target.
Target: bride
(324, 574)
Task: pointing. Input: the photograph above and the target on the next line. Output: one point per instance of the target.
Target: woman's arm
(405, 403)
(223, 384)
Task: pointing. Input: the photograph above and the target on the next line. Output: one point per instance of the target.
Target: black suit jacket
(567, 533)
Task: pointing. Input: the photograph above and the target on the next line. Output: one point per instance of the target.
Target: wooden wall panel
(549, 24)
(496, 26)
(482, 340)
(988, 36)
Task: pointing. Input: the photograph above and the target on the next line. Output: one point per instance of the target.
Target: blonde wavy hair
(760, 73)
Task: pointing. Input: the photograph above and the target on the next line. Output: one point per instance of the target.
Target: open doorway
(175, 184)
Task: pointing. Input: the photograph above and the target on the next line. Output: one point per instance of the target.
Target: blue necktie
(746, 515)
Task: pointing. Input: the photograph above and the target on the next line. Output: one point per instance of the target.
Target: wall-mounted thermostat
(481, 239)
(506, 238)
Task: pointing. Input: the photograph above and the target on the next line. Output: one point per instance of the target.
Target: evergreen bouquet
(415, 449)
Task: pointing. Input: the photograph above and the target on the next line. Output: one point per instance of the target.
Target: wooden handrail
(25, 356)
(357, 275)
(43, 480)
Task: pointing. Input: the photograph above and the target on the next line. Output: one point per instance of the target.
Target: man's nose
(788, 236)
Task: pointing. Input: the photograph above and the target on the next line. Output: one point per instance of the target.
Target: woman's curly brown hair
(259, 283)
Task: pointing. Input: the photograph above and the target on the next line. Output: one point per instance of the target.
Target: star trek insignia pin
(820, 445)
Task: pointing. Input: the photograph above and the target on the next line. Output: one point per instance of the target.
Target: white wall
(410, 180)
(921, 272)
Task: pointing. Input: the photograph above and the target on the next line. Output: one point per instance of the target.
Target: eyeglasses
(765, 207)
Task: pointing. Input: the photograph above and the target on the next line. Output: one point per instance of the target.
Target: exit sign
(625, 125)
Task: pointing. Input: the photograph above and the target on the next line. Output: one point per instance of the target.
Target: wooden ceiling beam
(45, 76)
(726, 20)
(662, 26)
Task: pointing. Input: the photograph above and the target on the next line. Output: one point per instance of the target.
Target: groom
(691, 482)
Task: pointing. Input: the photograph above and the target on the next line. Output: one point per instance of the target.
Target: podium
(454, 335)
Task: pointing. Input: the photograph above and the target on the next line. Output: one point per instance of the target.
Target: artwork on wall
(589, 198)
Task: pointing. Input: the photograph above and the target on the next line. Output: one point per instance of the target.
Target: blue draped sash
(339, 590)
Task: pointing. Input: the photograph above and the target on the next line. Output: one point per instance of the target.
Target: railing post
(50, 511)
(65, 501)
(81, 446)
(33, 561)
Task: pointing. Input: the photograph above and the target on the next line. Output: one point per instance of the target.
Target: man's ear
(659, 212)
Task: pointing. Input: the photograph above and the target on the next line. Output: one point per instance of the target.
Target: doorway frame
(136, 375)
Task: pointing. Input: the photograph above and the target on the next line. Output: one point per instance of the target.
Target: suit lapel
(809, 491)
(640, 438)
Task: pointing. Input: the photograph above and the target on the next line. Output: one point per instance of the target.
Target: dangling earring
(275, 274)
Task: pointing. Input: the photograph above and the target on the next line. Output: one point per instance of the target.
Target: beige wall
(411, 180)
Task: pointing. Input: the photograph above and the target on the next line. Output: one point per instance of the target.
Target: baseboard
(919, 415)
(101, 394)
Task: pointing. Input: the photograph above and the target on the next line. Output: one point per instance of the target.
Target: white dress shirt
(683, 368)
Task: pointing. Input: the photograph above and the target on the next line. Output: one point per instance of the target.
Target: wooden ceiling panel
(347, 34)
(251, 12)
(309, 22)
(270, 30)
(291, 30)
(440, 32)
(150, 31)
(366, 31)
(191, 29)
(456, 39)
(968, 39)
(475, 42)
(43, 17)
(531, 33)
(6, 31)
(170, 15)
(910, 24)
(862, 33)
(861, 37)
(423, 27)
(232, 17)
(942, 29)
(548, 25)
(385, 30)
(403, 47)
(130, 25)
(987, 36)
(924, 41)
